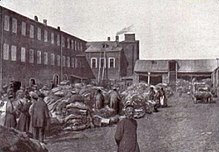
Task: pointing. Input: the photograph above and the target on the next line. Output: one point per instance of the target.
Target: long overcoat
(126, 136)
(115, 101)
(39, 114)
(10, 117)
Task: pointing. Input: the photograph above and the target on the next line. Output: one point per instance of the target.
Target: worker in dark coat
(126, 132)
(152, 98)
(99, 100)
(115, 100)
(39, 117)
(10, 117)
(23, 107)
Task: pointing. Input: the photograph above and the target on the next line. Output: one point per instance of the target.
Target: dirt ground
(182, 127)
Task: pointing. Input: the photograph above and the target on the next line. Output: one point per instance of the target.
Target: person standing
(10, 117)
(126, 132)
(163, 98)
(99, 104)
(39, 117)
(152, 98)
(115, 100)
(23, 107)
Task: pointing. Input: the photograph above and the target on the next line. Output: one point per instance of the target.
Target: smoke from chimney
(125, 30)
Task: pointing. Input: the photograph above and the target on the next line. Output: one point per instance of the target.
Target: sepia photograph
(109, 76)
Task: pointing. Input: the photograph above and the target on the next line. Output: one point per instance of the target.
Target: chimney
(130, 37)
(58, 28)
(36, 18)
(45, 21)
(108, 38)
(117, 38)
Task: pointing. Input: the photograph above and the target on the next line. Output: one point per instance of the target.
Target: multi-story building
(113, 60)
(33, 50)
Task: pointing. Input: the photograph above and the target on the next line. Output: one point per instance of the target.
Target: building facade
(168, 71)
(113, 60)
(33, 50)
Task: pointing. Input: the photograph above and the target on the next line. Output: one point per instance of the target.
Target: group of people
(114, 100)
(27, 111)
(158, 97)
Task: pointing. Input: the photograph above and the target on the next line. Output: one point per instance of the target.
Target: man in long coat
(39, 117)
(10, 117)
(99, 100)
(115, 100)
(126, 132)
(23, 107)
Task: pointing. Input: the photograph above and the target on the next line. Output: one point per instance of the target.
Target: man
(115, 100)
(39, 117)
(126, 132)
(10, 117)
(99, 104)
(152, 98)
(163, 98)
(23, 107)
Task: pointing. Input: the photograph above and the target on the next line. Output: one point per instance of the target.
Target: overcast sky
(165, 28)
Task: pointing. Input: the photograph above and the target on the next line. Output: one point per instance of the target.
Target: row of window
(10, 53)
(41, 35)
(102, 62)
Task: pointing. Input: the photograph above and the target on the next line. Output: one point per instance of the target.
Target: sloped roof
(103, 46)
(196, 65)
(200, 65)
(151, 66)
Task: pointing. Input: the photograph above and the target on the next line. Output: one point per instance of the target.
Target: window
(14, 25)
(52, 38)
(63, 41)
(31, 31)
(58, 60)
(102, 62)
(111, 62)
(72, 44)
(39, 33)
(58, 40)
(39, 57)
(81, 47)
(68, 62)
(52, 59)
(68, 43)
(75, 46)
(6, 23)
(72, 62)
(45, 36)
(23, 54)
(63, 61)
(23, 28)
(6, 51)
(13, 53)
(45, 60)
(93, 62)
(76, 63)
(31, 56)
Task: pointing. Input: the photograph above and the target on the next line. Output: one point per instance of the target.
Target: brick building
(34, 50)
(113, 60)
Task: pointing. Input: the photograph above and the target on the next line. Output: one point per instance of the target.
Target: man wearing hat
(99, 100)
(115, 100)
(10, 117)
(39, 116)
(126, 132)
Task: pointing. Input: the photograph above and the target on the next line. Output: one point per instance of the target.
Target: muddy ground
(182, 127)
